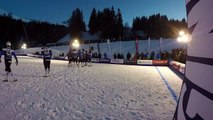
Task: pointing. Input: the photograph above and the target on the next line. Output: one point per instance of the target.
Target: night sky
(57, 11)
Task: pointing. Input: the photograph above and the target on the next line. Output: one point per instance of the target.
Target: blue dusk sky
(58, 11)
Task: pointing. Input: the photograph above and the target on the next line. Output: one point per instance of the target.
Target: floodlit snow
(127, 46)
(99, 92)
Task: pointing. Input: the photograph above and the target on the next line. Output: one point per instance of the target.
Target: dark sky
(57, 11)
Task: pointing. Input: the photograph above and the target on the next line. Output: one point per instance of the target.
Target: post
(196, 98)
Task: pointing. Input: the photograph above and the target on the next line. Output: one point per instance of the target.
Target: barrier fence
(174, 64)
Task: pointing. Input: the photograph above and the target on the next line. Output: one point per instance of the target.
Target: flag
(161, 44)
(109, 48)
(149, 44)
(136, 44)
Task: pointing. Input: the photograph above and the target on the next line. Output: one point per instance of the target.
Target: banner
(160, 62)
(144, 62)
(104, 60)
(196, 98)
(117, 61)
(95, 60)
(130, 62)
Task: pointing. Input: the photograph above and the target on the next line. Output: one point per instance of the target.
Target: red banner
(160, 62)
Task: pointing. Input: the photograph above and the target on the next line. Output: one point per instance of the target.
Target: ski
(5, 80)
(10, 81)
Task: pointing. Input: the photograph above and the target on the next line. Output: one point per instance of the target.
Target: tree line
(110, 24)
(156, 26)
(33, 33)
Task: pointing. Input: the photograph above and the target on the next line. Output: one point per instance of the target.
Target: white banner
(96, 60)
(144, 62)
(118, 61)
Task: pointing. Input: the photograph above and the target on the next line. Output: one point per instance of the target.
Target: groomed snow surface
(99, 92)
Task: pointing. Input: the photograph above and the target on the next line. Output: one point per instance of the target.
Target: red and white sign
(160, 62)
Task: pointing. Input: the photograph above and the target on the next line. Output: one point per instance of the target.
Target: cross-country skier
(8, 53)
(47, 55)
(78, 57)
(82, 58)
(89, 57)
(70, 57)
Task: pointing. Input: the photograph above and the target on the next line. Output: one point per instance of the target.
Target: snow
(102, 91)
(65, 39)
(56, 53)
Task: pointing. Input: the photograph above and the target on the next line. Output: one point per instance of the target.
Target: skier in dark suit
(47, 55)
(8, 53)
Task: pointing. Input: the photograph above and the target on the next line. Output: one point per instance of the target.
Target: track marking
(172, 92)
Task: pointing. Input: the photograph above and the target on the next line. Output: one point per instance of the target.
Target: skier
(85, 57)
(75, 57)
(8, 53)
(70, 57)
(47, 55)
(82, 57)
(89, 57)
(78, 54)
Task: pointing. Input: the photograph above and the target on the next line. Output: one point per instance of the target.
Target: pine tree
(76, 23)
(119, 24)
(93, 26)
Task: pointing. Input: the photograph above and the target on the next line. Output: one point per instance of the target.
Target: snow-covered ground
(99, 92)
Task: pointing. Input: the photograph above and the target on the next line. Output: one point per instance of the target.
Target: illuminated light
(24, 46)
(75, 43)
(179, 39)
(181, 33)
(183, 37)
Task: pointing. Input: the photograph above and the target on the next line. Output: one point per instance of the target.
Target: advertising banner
(104, 60)
(160, 62)
(130, 62)
(95, 60)
(117, 61)
(144, 62)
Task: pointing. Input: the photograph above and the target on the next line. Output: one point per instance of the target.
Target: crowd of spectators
(178, 54)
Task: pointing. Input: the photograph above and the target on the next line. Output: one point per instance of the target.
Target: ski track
(102, 91)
